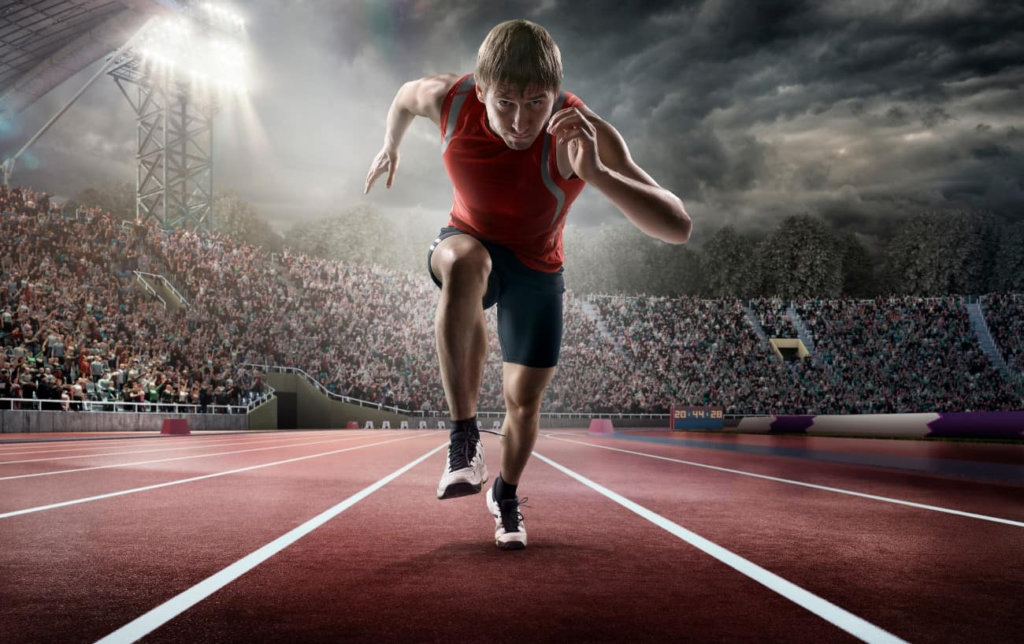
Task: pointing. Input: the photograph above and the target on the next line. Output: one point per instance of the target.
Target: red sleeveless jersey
(514, 198)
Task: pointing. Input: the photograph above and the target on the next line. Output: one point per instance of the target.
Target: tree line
(927, 254)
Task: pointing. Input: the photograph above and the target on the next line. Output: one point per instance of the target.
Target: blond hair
(519, 53)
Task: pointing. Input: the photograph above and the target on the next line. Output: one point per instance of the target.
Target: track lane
(923, 576)
(106, 563)
(992, 498)
(1007, 453)
(41, 468)
(172, 443)
(402, 566)
(19, 494)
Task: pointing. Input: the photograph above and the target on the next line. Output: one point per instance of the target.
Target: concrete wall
(317, 411)
(21, 421)
(487, 422)
(265, 416)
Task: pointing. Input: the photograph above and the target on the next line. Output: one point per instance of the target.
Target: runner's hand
(385, 161)
(570, 127)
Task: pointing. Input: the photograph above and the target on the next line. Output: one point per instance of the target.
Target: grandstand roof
(45, 42)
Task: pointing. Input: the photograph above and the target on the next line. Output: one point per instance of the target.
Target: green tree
(116, 198)
(975, 235)
(236, 218)
(590, 257)
(614, 258)
(728, 265)
(920, 255)
(358, 235)
(858, 268)
(943, 253)
(1009, 264)
(801, 259)
(682, 268)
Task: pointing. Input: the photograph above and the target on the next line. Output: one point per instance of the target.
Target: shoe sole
(510, 545)
(456, 490)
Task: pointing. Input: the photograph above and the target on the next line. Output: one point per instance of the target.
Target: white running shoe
(509, 529)
(465, 471)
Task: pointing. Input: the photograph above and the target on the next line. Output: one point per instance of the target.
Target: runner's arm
(602, 159)
(421, 97)
(651, 208)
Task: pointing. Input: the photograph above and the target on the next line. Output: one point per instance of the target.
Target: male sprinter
(518, 150)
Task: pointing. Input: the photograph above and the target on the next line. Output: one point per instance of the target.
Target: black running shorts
(529, 305)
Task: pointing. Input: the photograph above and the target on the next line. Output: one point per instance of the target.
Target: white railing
(322, 389)
(59, 404)
(431, 414)
(168, 284)
(150, 289)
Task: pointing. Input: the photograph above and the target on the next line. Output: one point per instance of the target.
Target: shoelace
(510, 520)
(461, 449)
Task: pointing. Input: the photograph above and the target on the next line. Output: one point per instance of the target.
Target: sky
(858, 112)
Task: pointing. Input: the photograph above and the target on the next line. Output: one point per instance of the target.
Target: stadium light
(171, 47)
(191, 66)
(223, 15)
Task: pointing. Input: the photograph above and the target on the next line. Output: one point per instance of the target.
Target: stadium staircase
(161, 288)
(754, 323)
(988, 343)
(595, 315)
(802, 331)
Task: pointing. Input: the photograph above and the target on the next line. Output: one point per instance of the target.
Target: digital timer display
(697, 418)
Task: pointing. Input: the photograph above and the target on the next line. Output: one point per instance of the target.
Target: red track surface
(46, 437)
(401, 566)
(957, 450)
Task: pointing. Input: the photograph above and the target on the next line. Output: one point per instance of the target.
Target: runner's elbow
(680, 231)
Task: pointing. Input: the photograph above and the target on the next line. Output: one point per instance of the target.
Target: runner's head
(518, 76)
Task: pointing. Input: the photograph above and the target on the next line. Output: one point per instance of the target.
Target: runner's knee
(521, 407)
(469, 265)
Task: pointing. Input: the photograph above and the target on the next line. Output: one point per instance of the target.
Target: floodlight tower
(175, 79)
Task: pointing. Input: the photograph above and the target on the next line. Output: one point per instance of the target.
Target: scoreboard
(697, 418)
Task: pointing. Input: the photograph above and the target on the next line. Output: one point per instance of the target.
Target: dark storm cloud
(856, 111)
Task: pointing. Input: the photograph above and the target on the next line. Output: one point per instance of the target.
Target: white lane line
(118, 444)
(176, 458)
(146, 488)
(148, 451)
(873, 497)
(856, 626)
(154, 619)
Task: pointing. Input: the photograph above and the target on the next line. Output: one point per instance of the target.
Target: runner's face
(518, 117)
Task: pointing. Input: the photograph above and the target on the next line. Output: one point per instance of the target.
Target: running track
(655, 537)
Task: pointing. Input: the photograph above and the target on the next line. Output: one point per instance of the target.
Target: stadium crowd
(905, 354)
(77, 328)
(702, 352)
(76, 332)
(363, 332)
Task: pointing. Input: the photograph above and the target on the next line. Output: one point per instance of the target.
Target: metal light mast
(165, 79)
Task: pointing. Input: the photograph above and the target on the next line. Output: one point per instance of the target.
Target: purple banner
(979, 424)
(791, 424)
